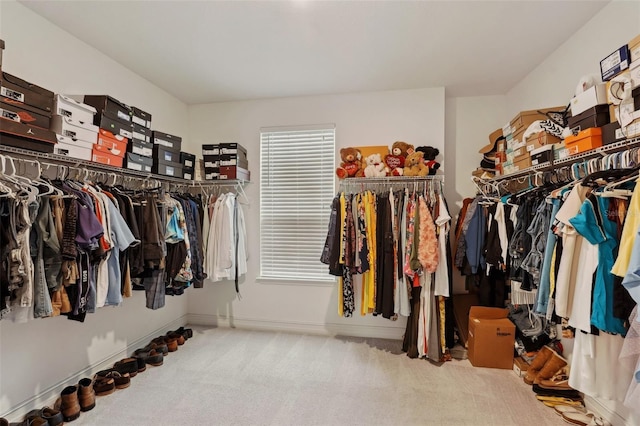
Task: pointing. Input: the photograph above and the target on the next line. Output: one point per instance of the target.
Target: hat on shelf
(494, 137)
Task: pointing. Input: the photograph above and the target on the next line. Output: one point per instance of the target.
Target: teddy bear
(414, 165)
(375, 167)
(395, 160)
(430, 154)
(351, 164)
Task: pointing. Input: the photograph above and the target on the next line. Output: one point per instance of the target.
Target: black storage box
(141, 133)
(138, 162)
(211, 149)
(140, 117)
(542, 155)
(612, 133)
(25, 136)
(233, 148)
(188, 160)
(596, 116)
(25, 114)
(161, 153)
(110, 122)
(166, 140)
(211, 173)
(14, 89)
(211, 161)
(114, 107)
(167, 168)
(139, 147)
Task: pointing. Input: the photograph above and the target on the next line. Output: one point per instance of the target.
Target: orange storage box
(116, 145)
(102, 155)
(584, 141)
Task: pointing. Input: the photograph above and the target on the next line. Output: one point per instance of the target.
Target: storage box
(634, 74)
(26, 136)
(140, 148)
(211, 149)
(612, 133)
(560, 152)
(138, 162)
(26, 114)
(540, 139)
(211, 161)
(525, 118)
(112, 123)
(73, 148)
(73, 129)
(233, 160)
(14, 89)
(104, 157)
(584, 141)
(166, 168)
(115, 146)
(211, 173)
(1, 49)
(520, 366)
(140, 117)
(164, 154)
(491, 338)
(614, 63)
(634, 48)
(236, 148)
(188, 160)
(234, 172)
(596, 116)
(596, 95)
(522, 163)
(112, 106)
(70, 108)
(168, 141)
(542, 155)
(141, 133)
(110, 135)
(613, 118)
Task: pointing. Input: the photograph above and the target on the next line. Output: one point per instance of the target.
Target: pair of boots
(544, 366)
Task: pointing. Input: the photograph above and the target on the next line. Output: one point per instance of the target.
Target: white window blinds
(296, 189)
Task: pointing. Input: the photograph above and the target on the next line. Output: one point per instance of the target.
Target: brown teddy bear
(395, 160)
(351, 164)
(414, 165)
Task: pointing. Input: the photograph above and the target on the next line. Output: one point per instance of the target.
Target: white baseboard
(324, 329)
(48, 396)
(595, 405)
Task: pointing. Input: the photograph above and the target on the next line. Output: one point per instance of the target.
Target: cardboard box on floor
(491, 338)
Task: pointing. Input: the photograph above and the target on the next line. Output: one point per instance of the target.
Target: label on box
(140, 121)
(187, 176)
(167, 156)
(211, 163)
(126, 133)
(619, 134)
(64, 112)
(170, 171)
(211, 176)
(228, 162)
(145, 152)
(614, 63)
(10, 115)
(12, 94)
(163, 143)
(124, 116)
(134, 166)
(188, 163)
(141, 136)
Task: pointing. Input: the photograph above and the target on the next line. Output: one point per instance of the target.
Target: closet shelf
(57, 159)
(604, 150)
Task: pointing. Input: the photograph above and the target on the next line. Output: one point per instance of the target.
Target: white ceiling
(210, 51)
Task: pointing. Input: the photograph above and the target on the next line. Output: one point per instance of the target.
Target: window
(297, 176)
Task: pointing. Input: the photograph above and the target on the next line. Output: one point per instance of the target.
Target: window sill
(296, 282)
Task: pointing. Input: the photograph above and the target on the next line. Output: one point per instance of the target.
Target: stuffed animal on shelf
(414, 165)
(375, 167)
(395, 160)
(430, 154)
(351, 164)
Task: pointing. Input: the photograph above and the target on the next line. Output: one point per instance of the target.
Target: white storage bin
(70, 108)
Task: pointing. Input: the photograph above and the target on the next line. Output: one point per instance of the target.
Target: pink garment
(428, 244)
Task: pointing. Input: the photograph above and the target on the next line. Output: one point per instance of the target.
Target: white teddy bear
(375, 166)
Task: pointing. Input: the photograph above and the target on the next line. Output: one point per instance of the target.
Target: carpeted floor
(238, 377)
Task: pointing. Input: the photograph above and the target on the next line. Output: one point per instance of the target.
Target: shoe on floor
(584, 419)
(568, 408)
(127, 365)
(86, 395)
(53, 417)
(121, 381)
(68, 403)
(103, 385)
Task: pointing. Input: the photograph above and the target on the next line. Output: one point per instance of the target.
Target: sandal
(584, 419)
(567, 408)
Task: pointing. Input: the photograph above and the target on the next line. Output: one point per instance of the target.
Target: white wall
(380, 118)
(40, 356)
(553, 82)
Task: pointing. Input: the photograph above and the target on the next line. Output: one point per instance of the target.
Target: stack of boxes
(166, 154)
(115, 129)
(188, 162)
(225, 161)
(25, 112)
(140, 149)
(73, 123)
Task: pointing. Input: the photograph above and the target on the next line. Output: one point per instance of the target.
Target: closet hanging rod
(393, 179)
(602, 151)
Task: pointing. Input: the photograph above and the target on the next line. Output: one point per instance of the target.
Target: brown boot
(551, 367)
(68, 403)
(536, 365)
(86, 394)
(559, 381)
